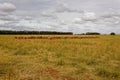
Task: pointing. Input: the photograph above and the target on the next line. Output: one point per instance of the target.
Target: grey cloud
(3, 13)
(6, 10)
(7, 7)
(98, 6)
(49, 14)
(86, 17)
(62, 23)
(28, 18)
(31, 5)
(78, 21)
(110, 19)
(89, 16)
(9, 18)
(110, 15)
(6, 28)
(63, 7)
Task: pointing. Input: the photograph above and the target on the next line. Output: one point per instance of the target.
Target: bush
(92, 33)
(112, 33)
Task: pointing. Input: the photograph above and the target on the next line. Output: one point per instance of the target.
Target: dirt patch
(55, 74)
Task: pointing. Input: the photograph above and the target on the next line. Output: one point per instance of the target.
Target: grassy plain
(60, 59)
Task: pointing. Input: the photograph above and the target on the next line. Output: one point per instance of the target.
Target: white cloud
(7, 7)
(89, 16)
(27, 23)
(77, 21)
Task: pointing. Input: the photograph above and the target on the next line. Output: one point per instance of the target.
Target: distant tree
(112, 33)
(82, 33)
(92, 33)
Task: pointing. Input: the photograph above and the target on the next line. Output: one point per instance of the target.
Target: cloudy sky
(76, 16)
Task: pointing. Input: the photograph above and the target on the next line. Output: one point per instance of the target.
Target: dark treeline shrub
(112, 33)
(92, 33)
(89, 33)
(35, 32)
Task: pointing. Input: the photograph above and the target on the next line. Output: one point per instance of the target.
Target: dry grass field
(60, 59)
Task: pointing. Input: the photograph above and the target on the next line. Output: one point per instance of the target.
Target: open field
(60, 59)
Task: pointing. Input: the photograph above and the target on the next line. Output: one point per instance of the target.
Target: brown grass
(59, 59)
(57, 37)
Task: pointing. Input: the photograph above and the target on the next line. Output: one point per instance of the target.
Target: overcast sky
(76, 16)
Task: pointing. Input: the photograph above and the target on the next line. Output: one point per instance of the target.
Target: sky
(77, 16)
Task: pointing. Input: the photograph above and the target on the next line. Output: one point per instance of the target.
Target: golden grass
(60, 59)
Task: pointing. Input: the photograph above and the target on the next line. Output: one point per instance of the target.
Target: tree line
(7, 32)
(35, 32)
(96, 33)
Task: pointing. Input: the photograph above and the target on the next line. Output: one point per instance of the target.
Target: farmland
(87, 58)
